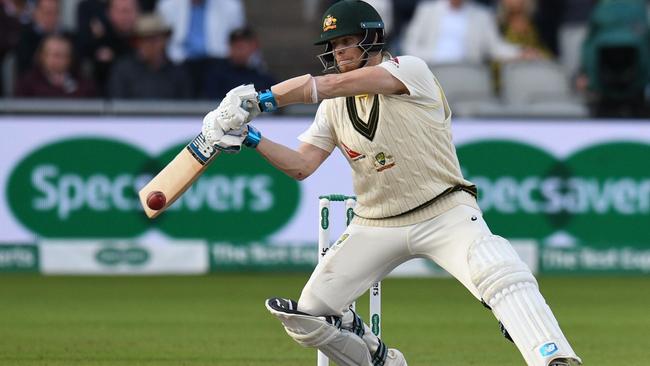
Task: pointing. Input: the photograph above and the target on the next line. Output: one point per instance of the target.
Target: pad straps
(379, 357)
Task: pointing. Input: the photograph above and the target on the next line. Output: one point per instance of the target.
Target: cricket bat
(177, 176)
(189, 164)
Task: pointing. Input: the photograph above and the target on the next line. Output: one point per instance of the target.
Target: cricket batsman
(390, 119)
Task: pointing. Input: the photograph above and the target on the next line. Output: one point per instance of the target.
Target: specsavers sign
(86, 187)
(579, 190)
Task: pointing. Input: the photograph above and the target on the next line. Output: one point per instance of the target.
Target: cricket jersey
(405, 168)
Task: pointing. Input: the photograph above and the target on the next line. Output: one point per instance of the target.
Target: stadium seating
(571, 37)
(468, 87)
(539, 85)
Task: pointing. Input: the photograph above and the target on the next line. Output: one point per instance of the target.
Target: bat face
(178, 175)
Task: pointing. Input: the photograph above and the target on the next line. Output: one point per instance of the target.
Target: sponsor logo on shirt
(353, 155)
(383, 161)
(394, 61)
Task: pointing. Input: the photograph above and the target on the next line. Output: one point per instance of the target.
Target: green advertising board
(590, 210)
(579, 193)
(19, 258)
(87, 188)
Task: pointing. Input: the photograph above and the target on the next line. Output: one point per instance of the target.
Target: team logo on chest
(383, 161)
(353, 155)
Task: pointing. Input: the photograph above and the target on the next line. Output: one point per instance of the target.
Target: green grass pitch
(221, 320)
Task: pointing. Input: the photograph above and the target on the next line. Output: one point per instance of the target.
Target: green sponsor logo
(87, 188)
(599, 194)
(324, 218)
(239, 197)
(80, 188)
(114, 256)
(349, 215)
(375, 324)
(19, 258)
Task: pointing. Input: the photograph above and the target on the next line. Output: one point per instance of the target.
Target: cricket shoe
(559, 362)
(395, 358)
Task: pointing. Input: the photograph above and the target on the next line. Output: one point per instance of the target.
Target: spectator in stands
(103, 38)
(45, 21)
(200, 30)
(615, 65)
(10, 26)
(91, 21)
(20, 10)
(52, 76)
(13, 14)
(244, 66)
(551, 15)
(148, 74)
(516, 26)
(449, 31)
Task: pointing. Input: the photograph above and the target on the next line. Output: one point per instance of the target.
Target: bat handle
(248, 105)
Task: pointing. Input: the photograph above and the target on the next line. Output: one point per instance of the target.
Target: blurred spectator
(105, 30)
(10, 26)
(448, 31)
(517, 26)
(200, 30)
(20, 10)
(147, 6)
(552, 14)
(616, 59)
(244, 66)
(45, 21)
(13, 14)
(490, 3)
(385, 10)
(402, 12)
(148, 74)
(91, 20)
(52, 76)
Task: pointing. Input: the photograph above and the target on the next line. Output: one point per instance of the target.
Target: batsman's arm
(297, 164)
(307, 89)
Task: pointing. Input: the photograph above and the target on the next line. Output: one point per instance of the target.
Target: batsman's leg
(323, 332)
(461, 242)
(325, 321)
(509, 288)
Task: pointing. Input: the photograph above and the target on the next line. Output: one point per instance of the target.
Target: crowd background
(549, 57)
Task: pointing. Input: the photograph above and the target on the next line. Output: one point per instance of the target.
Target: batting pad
(341, 346)
(506, 284)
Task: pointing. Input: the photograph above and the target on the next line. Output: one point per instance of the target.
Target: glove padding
(236, 109)
(231, 141)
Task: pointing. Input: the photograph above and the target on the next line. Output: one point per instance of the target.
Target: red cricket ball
(156, 200)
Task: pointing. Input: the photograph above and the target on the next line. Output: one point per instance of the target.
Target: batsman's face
(346, 53)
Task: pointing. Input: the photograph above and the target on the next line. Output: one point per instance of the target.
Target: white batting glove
(239, 106)
(248, 100)
(236, 109)
(215, 135)
(229, 142)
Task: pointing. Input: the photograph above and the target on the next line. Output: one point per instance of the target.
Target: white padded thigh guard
(341, 346)
(506, 284)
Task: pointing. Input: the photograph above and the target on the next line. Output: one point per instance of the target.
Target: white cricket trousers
(364, 255)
